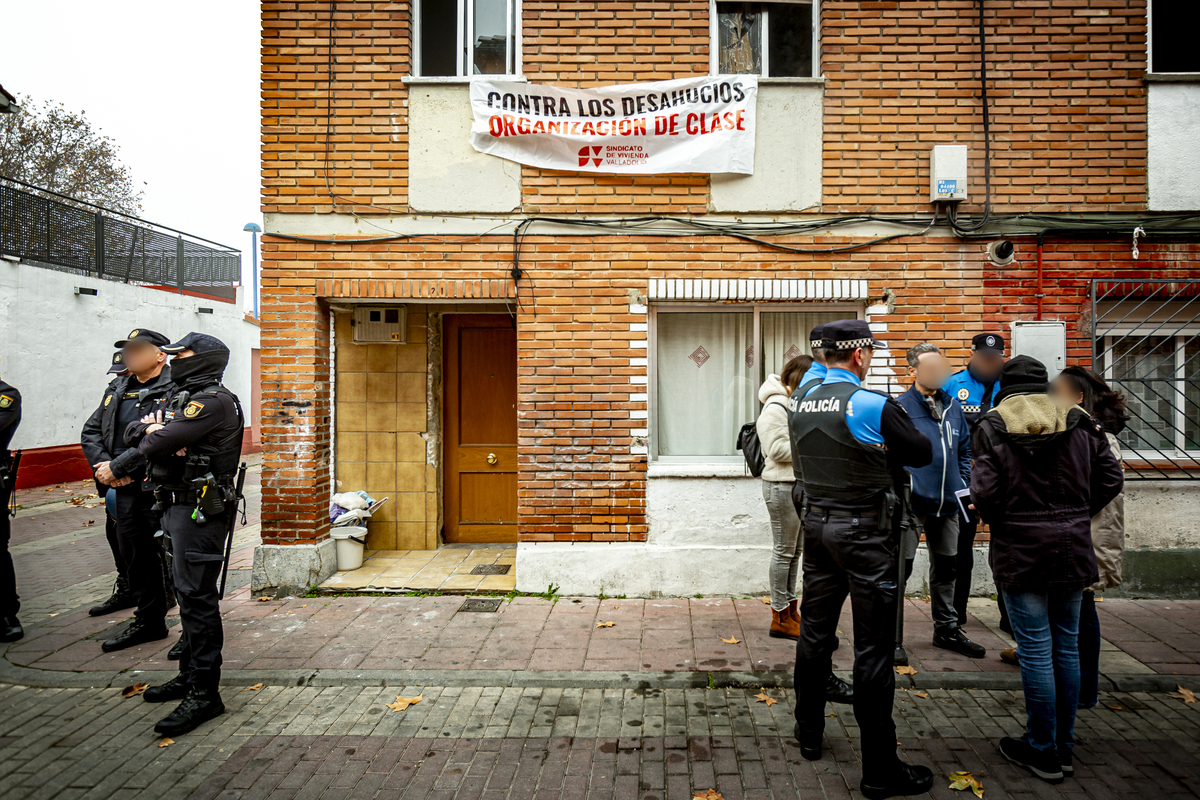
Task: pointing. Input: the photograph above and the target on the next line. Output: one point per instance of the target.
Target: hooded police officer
(194, 449)
(852, 444)
(121, 468)
(10, 604)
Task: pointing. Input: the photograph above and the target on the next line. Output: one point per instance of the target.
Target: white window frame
(1150, 45)
(1180, 337)
(714, 39)
(851, 310)
(464, 35)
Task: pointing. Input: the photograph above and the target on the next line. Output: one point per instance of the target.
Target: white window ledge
(1172, 77)
(657, 469)
(465, 81)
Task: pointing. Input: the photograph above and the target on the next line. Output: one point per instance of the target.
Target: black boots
(176, 651)
(174, 689)
(198, 707)
(899, 779)
(838, 691)
(122, 598)
(137, 632)
(955, 640)
(810, 747)
(10, 627)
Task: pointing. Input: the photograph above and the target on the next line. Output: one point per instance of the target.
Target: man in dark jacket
(122, 467)
(940, 417)
(10, 604)
(1043, 469)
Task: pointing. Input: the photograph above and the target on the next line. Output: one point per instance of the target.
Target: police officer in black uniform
(852, 443)
(204, 422)
(143, 391)
(122, 596)
(10, 604)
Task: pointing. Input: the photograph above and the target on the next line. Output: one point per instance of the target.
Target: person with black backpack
(778, 479)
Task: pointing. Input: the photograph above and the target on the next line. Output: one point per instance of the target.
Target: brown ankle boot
(794, 610)
(783, 626)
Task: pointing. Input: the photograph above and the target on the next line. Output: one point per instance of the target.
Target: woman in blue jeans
(1043, 468)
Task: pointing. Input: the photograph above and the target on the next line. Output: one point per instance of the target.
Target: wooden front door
(480, 413)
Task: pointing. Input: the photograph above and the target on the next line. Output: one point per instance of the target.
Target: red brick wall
(577, 478)
(1068, 105)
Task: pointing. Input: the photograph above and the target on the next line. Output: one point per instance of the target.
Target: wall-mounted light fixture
(87, 291)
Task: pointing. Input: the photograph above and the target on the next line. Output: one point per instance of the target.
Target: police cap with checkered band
(849, 334)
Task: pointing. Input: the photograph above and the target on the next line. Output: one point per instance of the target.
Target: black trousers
(197, 553)
(10, 604)
(136, 525)
(964, 567)
(110, 530)
(849, 556)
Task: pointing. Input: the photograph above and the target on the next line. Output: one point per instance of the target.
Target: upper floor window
(1172, 36)
(461, 38)
(774, 40)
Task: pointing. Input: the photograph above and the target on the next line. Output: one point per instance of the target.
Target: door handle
(491, 458)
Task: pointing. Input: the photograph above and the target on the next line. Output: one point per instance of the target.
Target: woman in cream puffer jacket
(777, 480)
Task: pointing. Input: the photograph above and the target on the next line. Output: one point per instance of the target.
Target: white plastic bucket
(351, 540)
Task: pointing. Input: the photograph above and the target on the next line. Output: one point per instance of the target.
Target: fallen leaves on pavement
(404, 702)
(763, 697)
(166, 742)
(711, 794)
(922, 695)
(605, 624)
(733, 640)
(253, 688)
(136, 689)
(1184, 694)
(766, 601)
(961, 781)
(265, 599)
(89, 523)
(1116, 707)
(905, 670)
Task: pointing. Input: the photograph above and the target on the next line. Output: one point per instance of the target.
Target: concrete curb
(547, 679)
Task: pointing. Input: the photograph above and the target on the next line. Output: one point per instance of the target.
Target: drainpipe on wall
(1040, 294)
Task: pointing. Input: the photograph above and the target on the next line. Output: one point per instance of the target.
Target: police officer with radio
(10, 604)
(974, 388)
(122, 468)
(193, 449)
(853, 444)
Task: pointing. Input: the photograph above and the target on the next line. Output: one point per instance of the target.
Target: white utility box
(1045, 341)
(948, 173)
(380, 324)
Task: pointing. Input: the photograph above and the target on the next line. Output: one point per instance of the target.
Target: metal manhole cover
(480, 604)
(491, 569)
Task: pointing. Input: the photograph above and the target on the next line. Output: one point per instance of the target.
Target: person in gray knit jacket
(777, 481)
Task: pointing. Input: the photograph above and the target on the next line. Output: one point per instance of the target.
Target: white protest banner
(701, 124)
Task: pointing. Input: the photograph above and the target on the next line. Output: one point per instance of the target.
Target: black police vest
(794, 400)
(838, 470)
(223, 450)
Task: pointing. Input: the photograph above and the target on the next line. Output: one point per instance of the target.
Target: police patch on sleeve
(5, 401)
(963, 393)
(192, 409)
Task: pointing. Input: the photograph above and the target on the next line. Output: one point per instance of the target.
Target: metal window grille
(1146, 344)
(62, 235)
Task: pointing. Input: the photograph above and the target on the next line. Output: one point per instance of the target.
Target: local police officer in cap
(193, 449)
(122, 468)
(10, 603)
(852, 444)
(974, 388)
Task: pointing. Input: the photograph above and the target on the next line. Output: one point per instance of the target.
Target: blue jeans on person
(1046, 627)
(1089, 652)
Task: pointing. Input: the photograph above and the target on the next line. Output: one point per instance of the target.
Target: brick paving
(490, 742)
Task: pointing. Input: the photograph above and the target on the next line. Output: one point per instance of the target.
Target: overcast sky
(175, 84)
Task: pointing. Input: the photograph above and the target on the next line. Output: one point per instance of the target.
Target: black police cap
(814, 337)
(143, 335)
(849, 334)
(197, 343)
(988, 341)
(118, 364)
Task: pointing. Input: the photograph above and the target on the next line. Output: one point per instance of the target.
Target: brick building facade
(374, 200)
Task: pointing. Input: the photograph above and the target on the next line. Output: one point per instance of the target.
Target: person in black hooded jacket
(1043, 468)
(199, 433)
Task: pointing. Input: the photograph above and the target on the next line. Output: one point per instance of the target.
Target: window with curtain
(1160, 378)
(708, 371)
(774, 40)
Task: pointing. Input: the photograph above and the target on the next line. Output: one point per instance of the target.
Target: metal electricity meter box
(1045, 341)
(948, 173)
(380, 324)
